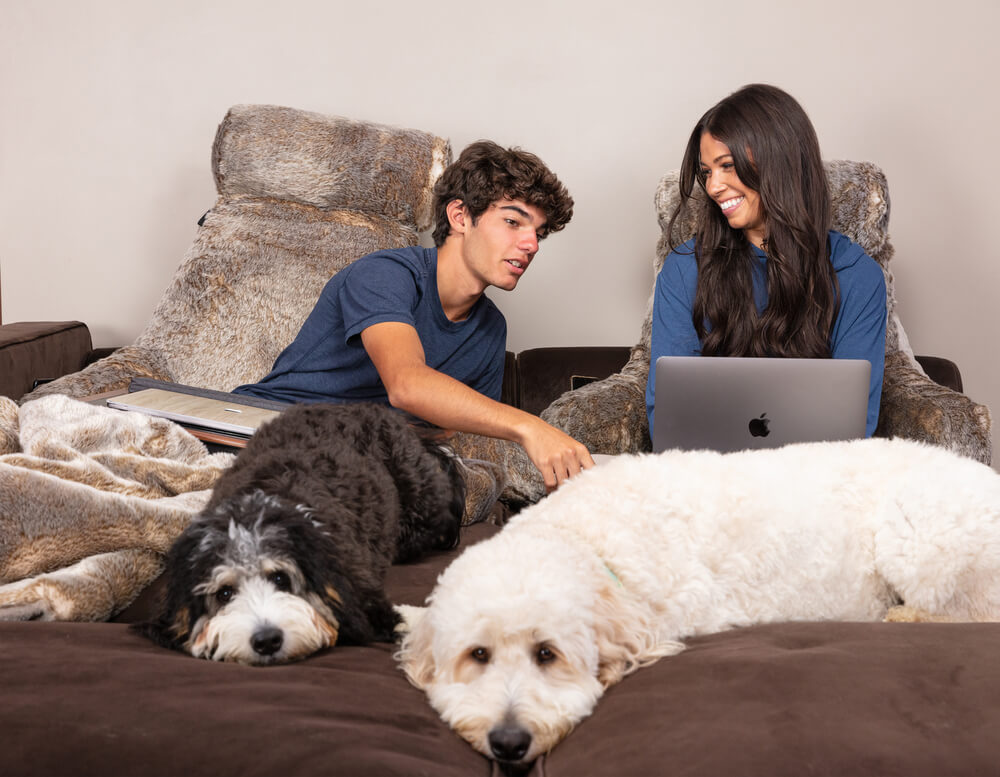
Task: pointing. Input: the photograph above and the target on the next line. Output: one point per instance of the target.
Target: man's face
(499, 247)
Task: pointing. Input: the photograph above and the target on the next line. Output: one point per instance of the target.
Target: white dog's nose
(509, 742)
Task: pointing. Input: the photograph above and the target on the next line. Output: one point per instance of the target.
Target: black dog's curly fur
(351, 489)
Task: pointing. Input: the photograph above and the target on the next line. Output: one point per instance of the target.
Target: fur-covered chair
(301, 195)
(609, 416)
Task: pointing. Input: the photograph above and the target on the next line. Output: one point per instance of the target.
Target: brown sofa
(33, 352)
(798, 698)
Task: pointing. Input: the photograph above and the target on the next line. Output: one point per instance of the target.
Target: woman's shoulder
(851, 263)
(682, 257)
(845, 253)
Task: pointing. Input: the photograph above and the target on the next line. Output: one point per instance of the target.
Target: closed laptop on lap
(731, 404)
(201, 409)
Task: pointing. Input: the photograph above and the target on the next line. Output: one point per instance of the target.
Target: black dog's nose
(267, 641)
(509, 743)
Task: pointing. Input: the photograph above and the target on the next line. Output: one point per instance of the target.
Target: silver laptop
(732, 404)
(198, 411)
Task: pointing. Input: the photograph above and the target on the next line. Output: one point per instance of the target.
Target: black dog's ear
(170, 629)
(353, 596)
(180, 608)
(353, 624)
(165, 632)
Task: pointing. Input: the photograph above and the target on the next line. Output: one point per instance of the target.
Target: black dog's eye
(281, 581)
(545, 655)
(480, 654)
(225, 594)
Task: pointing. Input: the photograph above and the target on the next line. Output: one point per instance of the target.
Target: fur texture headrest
(328, 162)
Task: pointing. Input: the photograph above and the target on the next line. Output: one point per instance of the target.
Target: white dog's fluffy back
(524, 631)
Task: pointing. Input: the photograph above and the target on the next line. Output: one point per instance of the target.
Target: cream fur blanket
(90, 499)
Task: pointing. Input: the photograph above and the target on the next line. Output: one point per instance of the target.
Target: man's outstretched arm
(398, 355)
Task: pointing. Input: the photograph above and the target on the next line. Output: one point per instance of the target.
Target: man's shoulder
(388, 267)
(416, 257)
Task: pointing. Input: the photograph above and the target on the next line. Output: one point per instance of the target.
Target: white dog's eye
(225, 594)
(545, 655)
(280, 580)
(480, 654)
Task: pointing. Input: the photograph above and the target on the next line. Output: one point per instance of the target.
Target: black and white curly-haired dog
(290, 554)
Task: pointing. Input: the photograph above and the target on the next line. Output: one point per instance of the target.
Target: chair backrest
(301, 195)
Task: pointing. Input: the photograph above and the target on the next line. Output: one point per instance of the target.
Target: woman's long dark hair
(775, 153)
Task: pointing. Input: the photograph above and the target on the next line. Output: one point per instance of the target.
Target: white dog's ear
(415, 655)
(410, 614)
(625, 635)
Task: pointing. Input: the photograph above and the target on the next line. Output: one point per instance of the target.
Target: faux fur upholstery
(609, 416)
(301, 195)
(92, 498)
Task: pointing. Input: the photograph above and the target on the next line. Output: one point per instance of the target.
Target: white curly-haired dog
(525, 631)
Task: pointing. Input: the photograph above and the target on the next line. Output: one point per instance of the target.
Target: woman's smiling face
(739, 203)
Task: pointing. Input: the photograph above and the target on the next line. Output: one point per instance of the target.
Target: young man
(412, 327)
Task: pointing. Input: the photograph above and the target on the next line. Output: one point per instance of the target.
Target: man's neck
(458, 290)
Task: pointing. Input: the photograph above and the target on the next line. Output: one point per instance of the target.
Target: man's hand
(557, 455)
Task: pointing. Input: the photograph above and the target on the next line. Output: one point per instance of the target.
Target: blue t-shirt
(858, 332)
(327, 361)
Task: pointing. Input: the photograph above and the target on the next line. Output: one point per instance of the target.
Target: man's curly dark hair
(486, 172)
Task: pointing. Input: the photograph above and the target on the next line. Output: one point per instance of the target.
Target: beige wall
(108, 109)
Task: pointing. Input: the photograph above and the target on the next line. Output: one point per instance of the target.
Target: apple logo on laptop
(759, 426)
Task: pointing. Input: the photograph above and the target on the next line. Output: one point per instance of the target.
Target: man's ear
(458, 216)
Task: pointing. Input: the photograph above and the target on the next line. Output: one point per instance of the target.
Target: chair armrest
(916, 407)
(40, 350)
(108, 374)
(608, 416)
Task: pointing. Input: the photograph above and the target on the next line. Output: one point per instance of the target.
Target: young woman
(764, 274)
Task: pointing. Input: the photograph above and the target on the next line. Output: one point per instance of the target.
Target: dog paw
(410, 614)
(902, 613)
(32, 611)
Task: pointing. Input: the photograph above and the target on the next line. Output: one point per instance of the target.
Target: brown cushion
(942, 371)
(98, 699)
(40, 350)
(802, 698)
(544, 374)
